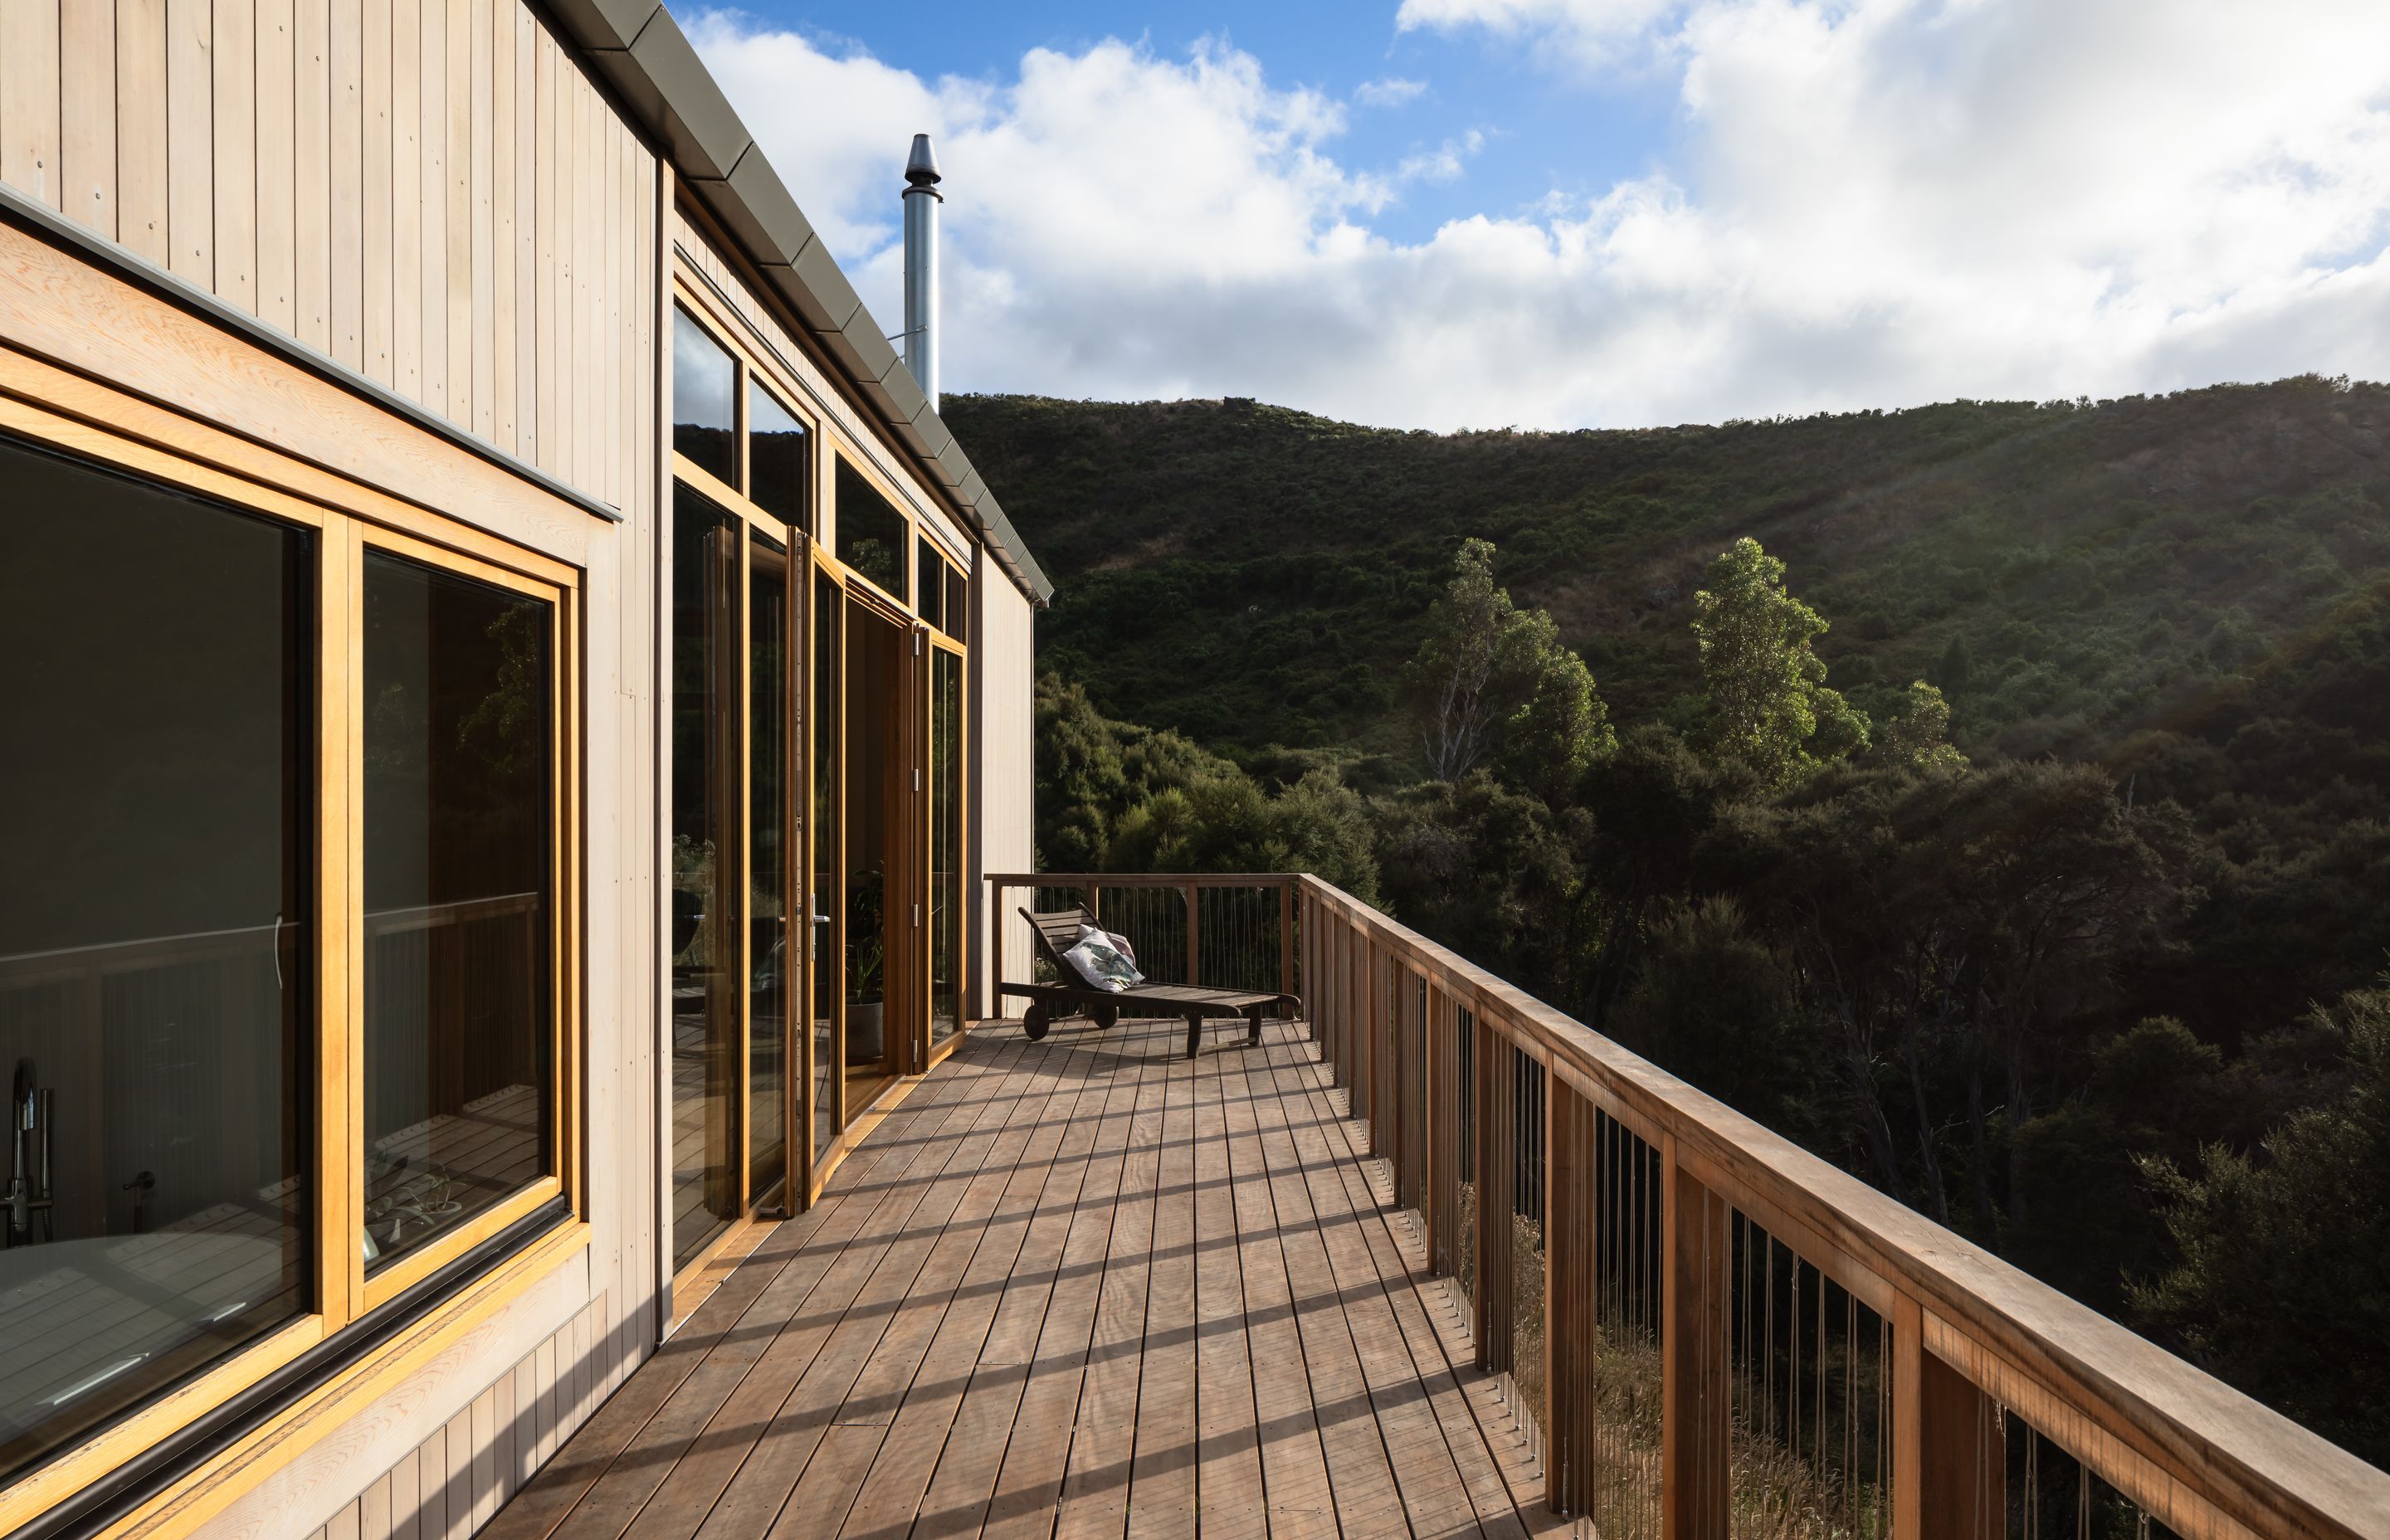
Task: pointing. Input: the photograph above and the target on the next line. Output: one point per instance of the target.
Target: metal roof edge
(639, 48)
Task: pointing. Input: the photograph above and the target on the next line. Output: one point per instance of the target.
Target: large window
(281, 932)
(872, 536)
(707, 961)
(459, 1108)
(735, 950)
(156, 927)
(705, 400)
(779, 469)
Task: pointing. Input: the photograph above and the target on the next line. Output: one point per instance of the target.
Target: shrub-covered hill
(2189, 587)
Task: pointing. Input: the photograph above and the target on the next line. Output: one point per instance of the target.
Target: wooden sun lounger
(1059, 931)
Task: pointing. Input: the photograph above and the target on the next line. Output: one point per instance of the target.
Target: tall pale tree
(1467, 666)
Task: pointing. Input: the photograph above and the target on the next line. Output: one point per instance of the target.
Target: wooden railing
(1230, 930)
(1709, 1333)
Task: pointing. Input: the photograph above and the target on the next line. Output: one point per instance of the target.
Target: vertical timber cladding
(432, 195)
(427, 192)
(1004, 766)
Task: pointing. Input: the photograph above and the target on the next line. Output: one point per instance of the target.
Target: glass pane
(154, 930)
(873, 898)
(871, 534)
(829, 883)
(705, 383)
(706, 967)
(768, 826)
(458, 1001)
(926, 567)
(776, 458)
(957, 604)
(945, 842)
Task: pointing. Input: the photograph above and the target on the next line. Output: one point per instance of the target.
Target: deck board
(1084, 1287)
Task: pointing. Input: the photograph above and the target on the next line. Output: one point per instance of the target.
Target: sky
(1600, 214)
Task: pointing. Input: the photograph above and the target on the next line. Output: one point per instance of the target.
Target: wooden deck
(1085, 1286)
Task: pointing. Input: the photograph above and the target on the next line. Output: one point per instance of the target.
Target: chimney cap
(921, 165)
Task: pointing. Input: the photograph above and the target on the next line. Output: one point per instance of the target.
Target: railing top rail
(1140, 879)
(2242, 1460)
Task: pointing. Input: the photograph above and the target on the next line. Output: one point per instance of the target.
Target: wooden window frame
(829, 445)
(692, 1279)
(757, 378)
(369, 1291)
(813, 550)
(49, 407)
(935, 1052)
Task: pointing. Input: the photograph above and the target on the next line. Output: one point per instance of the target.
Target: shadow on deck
(1082, 1287)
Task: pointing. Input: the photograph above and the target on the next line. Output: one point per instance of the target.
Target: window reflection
(776, 458)
(705, 859)
(928, 585)
(705, 383)
(828, 883)
(770, 967)
(871, 533)
(458, 1097)
(946, 844)
(156, 927)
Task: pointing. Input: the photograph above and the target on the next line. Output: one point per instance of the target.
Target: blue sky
(1543, 126)
(1565, 213)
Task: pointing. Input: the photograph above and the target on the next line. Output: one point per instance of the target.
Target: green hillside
(2111, 999)
(2074, 575)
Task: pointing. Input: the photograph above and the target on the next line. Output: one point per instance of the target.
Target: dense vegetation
(1996, 797)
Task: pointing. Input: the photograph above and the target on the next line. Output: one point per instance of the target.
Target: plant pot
(865, 1044)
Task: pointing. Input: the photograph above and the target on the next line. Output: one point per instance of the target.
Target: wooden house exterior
(516, 691)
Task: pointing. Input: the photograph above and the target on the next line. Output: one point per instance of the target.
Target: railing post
(1376, 1054)
(1907, 1444)
(1497, 1167)
(995, 950)
(1569, 1220)
(1443, 1192)
(1286, 937)
(1695, 1414)
(1194, 912)
(1560, 1386)
(1961, 1453)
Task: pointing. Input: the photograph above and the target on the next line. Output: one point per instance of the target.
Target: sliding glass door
(816, 813)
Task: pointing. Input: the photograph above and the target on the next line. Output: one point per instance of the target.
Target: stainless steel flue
(922, 201)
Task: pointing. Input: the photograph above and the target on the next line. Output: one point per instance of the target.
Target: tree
(1489, 871)
(1957, 669)
(2283, 1287)
(1562, 728)
(1918, 739)
(1765, 687)
(1713, 1004)
(1475, 657)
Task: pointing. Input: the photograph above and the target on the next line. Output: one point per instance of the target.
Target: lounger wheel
(1105, 1016)
(1035, 1022)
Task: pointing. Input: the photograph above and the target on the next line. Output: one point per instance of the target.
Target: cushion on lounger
(1101, 962)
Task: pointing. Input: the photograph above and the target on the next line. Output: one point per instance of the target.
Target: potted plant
(866, 980)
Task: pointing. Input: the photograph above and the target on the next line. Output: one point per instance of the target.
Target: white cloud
(1392, 91)
(1589, 30)
(1874, 202)
(1444, 164)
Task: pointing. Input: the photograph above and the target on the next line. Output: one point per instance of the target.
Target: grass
(1775, 1493)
